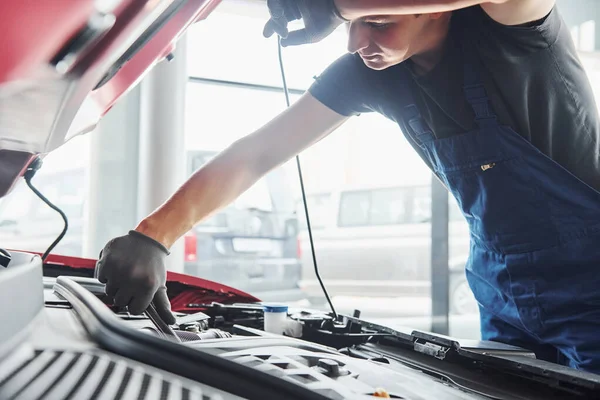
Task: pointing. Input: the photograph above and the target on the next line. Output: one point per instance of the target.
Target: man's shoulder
(352, 63)
(351, 66)
(349, 87)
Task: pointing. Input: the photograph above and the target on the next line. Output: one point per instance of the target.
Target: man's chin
(377, 64)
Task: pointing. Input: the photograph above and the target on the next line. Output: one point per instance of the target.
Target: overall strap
(473, 88)
(418, 128)
(420, 131)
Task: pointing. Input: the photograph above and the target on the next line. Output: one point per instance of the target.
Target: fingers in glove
(268, 30)
(99, 273)
(111, 289)
(295, 38)
(278, 22)
(163, 306)
(122, 298)
(278, 26)
(276, 8)
(140, 302)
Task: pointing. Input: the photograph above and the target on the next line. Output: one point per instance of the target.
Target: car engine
(61, 338)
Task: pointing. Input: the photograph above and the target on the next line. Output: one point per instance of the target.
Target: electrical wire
(310, 236)
(29, 174)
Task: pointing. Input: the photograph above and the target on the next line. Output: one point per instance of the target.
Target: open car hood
(187, 293)
(65, 63)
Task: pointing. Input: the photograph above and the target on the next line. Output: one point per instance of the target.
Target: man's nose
(358, 38)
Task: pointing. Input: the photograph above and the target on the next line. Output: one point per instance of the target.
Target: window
(197, 159)
(66, 190)
(354, 209)
(27, 223)
(454, 212)
(422, 207)
(17, 205)
(257, 197)
(388, 207)
(217, 114)
(421, 211)
(319, 207)
(243, 55)
(376, 207)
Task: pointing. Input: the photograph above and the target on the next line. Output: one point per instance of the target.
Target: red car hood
(66, 62)
(187, 293)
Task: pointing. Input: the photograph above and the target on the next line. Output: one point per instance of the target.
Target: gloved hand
(133, 268)
(321, 17)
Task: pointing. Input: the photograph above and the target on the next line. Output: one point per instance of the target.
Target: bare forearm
(209, 189)
(353, 9)
(237, 168)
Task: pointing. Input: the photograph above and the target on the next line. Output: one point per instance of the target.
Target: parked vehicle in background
(249, 245)
(376, 242)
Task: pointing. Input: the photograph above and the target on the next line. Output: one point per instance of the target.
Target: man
(492, 96)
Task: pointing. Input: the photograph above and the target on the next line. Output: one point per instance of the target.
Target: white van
(376, 242)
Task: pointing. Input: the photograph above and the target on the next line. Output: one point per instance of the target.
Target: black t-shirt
(532, 75)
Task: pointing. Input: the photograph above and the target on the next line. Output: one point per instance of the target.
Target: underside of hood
(65, 63)
(187, 293)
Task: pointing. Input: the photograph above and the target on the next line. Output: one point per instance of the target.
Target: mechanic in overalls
(493, 97)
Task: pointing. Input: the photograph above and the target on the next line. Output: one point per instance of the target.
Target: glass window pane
(16, 205)
(421, 212)
(319, 208)
(27, 223)
(251, 244)
(454, 212)
(388, 207)
(354, 209)
(242, 54)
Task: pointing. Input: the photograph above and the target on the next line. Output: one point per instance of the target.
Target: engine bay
(351, 357)
(63, 339)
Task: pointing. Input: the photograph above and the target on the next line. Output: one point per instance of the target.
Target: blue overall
(534, 262)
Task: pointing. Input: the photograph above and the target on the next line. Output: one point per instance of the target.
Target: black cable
(310, 236)
(29, 173)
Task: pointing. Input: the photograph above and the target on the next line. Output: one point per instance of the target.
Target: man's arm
(517, 12)
(321, 17)
(133, 266)
(507, 12)
(238, 167)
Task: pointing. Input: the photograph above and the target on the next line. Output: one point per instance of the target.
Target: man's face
(386, 40)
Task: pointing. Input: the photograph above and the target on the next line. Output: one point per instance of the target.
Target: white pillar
(162, 145)
(112, 189)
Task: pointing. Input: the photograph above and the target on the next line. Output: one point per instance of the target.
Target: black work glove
(133, 268)
(321, 17)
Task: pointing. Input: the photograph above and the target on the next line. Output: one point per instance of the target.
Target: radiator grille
(57, 375)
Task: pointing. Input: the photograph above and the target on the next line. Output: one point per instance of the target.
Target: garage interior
(400, 266)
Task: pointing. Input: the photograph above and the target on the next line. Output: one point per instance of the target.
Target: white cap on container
(275, 317)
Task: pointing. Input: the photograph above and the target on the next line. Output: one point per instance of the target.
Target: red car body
(186, 293)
